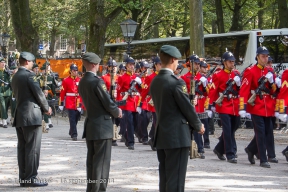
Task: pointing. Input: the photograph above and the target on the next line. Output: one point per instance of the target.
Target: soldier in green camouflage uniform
(13, 100)
(5, 92)
(51, 85)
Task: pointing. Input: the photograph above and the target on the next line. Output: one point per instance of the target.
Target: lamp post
(5, 42)
(128, 28)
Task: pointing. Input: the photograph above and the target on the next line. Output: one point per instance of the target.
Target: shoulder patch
(184, 89)
(35, 79)
(104, 87)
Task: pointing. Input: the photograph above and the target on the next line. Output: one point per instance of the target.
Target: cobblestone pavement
(62, 164)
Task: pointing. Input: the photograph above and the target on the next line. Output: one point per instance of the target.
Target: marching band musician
(227, 108)
(129, 83)
(111, 66)
(142, 108)
(5, 92)
(256, 98)
(69, 94)
(283, 104)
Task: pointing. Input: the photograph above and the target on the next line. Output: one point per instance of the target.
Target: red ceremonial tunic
(282, 101)
(69, 91)
(263, 107)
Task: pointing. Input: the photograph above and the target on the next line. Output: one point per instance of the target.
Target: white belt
(72, 94)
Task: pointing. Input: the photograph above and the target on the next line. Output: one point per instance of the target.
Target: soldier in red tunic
(111, 67)
(282, 102)
(224, 97)
(257, 98)
(142, 108)
(69, 94)
(131, 84)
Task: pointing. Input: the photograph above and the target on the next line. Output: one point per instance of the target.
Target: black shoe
(272, 160)
(74, 139)
(265, 165)
(114, 143)
(145, 143)
(211, 132)
(202, 156)
(50, 125)
(150, 142)
(207, 146)
(233, 160)
(220, 156)
(236, 156)
(5, 126)
(286, 155)
(131, 147)
(35, 184)
(122, 139)
(250, 156)
(1, 125)
(140, 140)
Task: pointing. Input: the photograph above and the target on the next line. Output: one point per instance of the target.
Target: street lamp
(128, 28)
(5, 42)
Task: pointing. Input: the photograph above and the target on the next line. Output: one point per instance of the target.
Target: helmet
(262, 50)
(111, 63)
(122, 67)
(73, 67)
(156, 60)
(130, 60)
(144, 64)
(270, 58)
(194, 58)
(203, 64)
(137, 66)
(228, 56)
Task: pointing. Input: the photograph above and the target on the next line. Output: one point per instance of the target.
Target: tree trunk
(23, 27)
(236, 26)
(283, 13)
(196, 28)
(219, 14)
(261, 13)
(98, 23)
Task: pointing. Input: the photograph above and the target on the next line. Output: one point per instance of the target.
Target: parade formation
(257, 93)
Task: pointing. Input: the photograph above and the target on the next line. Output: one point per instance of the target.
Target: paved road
(62, 163)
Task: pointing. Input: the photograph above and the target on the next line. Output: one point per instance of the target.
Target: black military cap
(122, 67)
(137, 66)
(130, 60)
(156, 60)
(171, 50)
(270, 58)
(144, 64)
(91, 57)
(262, 50)
(27, 56)
(194, 58)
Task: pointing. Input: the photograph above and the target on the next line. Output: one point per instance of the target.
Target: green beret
(12, 67)
(171, 50)
(46, 64)
(27, 56)
(35, 66)
(91, 57)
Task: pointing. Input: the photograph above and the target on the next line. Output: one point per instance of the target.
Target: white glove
(203, 81)
(13, 99)
(138, 80)
(248, 115)
(79, 109)
(210, 81)
(61, 108)
(242, 113)
(213, 109)
(139, 110)
(269, 76)
(237, 80)
(209, 113)
(278, 82)
(283, 117)
(276, 115)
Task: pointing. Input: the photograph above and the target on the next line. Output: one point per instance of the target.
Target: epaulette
(175, 77)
